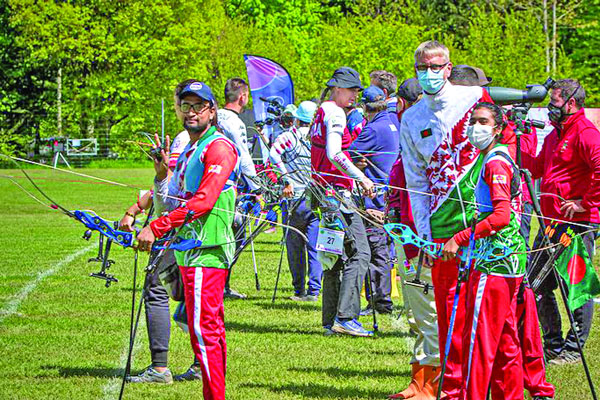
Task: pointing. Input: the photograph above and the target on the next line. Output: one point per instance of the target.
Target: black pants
(380, 269)
(343, 282)
(158, 317)
(547, 305)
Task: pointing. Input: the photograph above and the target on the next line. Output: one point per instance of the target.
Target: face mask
(555, 114)
(431, 82)
(480, 135)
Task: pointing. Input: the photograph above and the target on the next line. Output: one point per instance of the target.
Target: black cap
(410, 90)
(345, 77)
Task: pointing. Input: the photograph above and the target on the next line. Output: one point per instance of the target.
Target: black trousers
(158, 317)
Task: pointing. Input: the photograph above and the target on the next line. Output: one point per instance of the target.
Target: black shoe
(566, 357)
(233, 294)
(192, 374)
(550, 354)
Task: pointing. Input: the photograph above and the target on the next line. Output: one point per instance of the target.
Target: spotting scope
(533, 94)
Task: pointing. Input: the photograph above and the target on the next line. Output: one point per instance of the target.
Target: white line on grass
(113, 386)
(12, 306)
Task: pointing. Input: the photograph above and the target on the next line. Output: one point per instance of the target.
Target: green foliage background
(118, 59)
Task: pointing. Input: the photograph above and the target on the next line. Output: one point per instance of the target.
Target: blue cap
(290, 109)
(199, 89)
(306, 111)
(345, 77)
(372, 94)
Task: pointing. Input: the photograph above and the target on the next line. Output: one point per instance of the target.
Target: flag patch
(425, 133)
(215, 169)
(498, 178)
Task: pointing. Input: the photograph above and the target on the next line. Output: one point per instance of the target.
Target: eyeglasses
(197, 107)
(433, 67)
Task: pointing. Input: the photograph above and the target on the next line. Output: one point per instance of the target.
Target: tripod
(522, 126)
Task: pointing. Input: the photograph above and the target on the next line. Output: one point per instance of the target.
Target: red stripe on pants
(492, 353)
(204, 303)
(534, 370)
(444, 277)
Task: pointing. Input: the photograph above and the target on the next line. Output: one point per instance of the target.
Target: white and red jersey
(439, 159)
(329, 118)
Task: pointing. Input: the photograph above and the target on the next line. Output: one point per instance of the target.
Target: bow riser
(404, 234)
(94, 222)
(126, 239)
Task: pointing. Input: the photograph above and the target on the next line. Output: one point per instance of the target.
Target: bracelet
(127, 213)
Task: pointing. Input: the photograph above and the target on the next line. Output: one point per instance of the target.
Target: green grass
(67, 338)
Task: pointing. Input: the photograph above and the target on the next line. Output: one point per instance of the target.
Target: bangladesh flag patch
(425, 133)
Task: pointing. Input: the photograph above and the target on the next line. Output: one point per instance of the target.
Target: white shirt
(234, 129)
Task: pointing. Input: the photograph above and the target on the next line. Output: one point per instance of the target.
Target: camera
(274, 110)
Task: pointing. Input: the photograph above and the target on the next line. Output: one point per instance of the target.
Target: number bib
(331, 241)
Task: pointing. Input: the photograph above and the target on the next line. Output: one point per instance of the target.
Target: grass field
(63, 335)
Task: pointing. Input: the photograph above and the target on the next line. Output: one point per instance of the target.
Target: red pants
(204, 303)
(444, 277)
(534, 371)
(492, 353)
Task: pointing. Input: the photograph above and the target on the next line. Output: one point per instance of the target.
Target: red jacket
(569, 165)
(399, 199)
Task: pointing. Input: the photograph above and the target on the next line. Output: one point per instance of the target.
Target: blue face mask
(431, 82)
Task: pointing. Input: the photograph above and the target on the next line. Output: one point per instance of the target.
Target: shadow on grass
(98, 371)
(320, 391)
(284, 304)
(351, 373)
(255, 328)
(391, 353)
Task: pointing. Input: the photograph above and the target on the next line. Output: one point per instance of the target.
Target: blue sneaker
(351, 327)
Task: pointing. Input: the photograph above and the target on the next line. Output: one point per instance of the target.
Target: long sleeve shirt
(378, 143)
(290, 154)
(438, 156)
(219, 159)
(234, 129)
(569, 166)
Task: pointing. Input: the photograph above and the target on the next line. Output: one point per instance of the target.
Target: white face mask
(481, 136)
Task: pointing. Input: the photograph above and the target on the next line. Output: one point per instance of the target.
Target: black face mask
(557, 114)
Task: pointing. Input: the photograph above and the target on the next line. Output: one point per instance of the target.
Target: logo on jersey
(501, 179)
(215, 169)
(425, 133)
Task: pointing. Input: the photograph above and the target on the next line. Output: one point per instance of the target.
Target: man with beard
(204, 178)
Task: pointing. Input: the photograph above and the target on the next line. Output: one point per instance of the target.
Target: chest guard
(482, 190)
